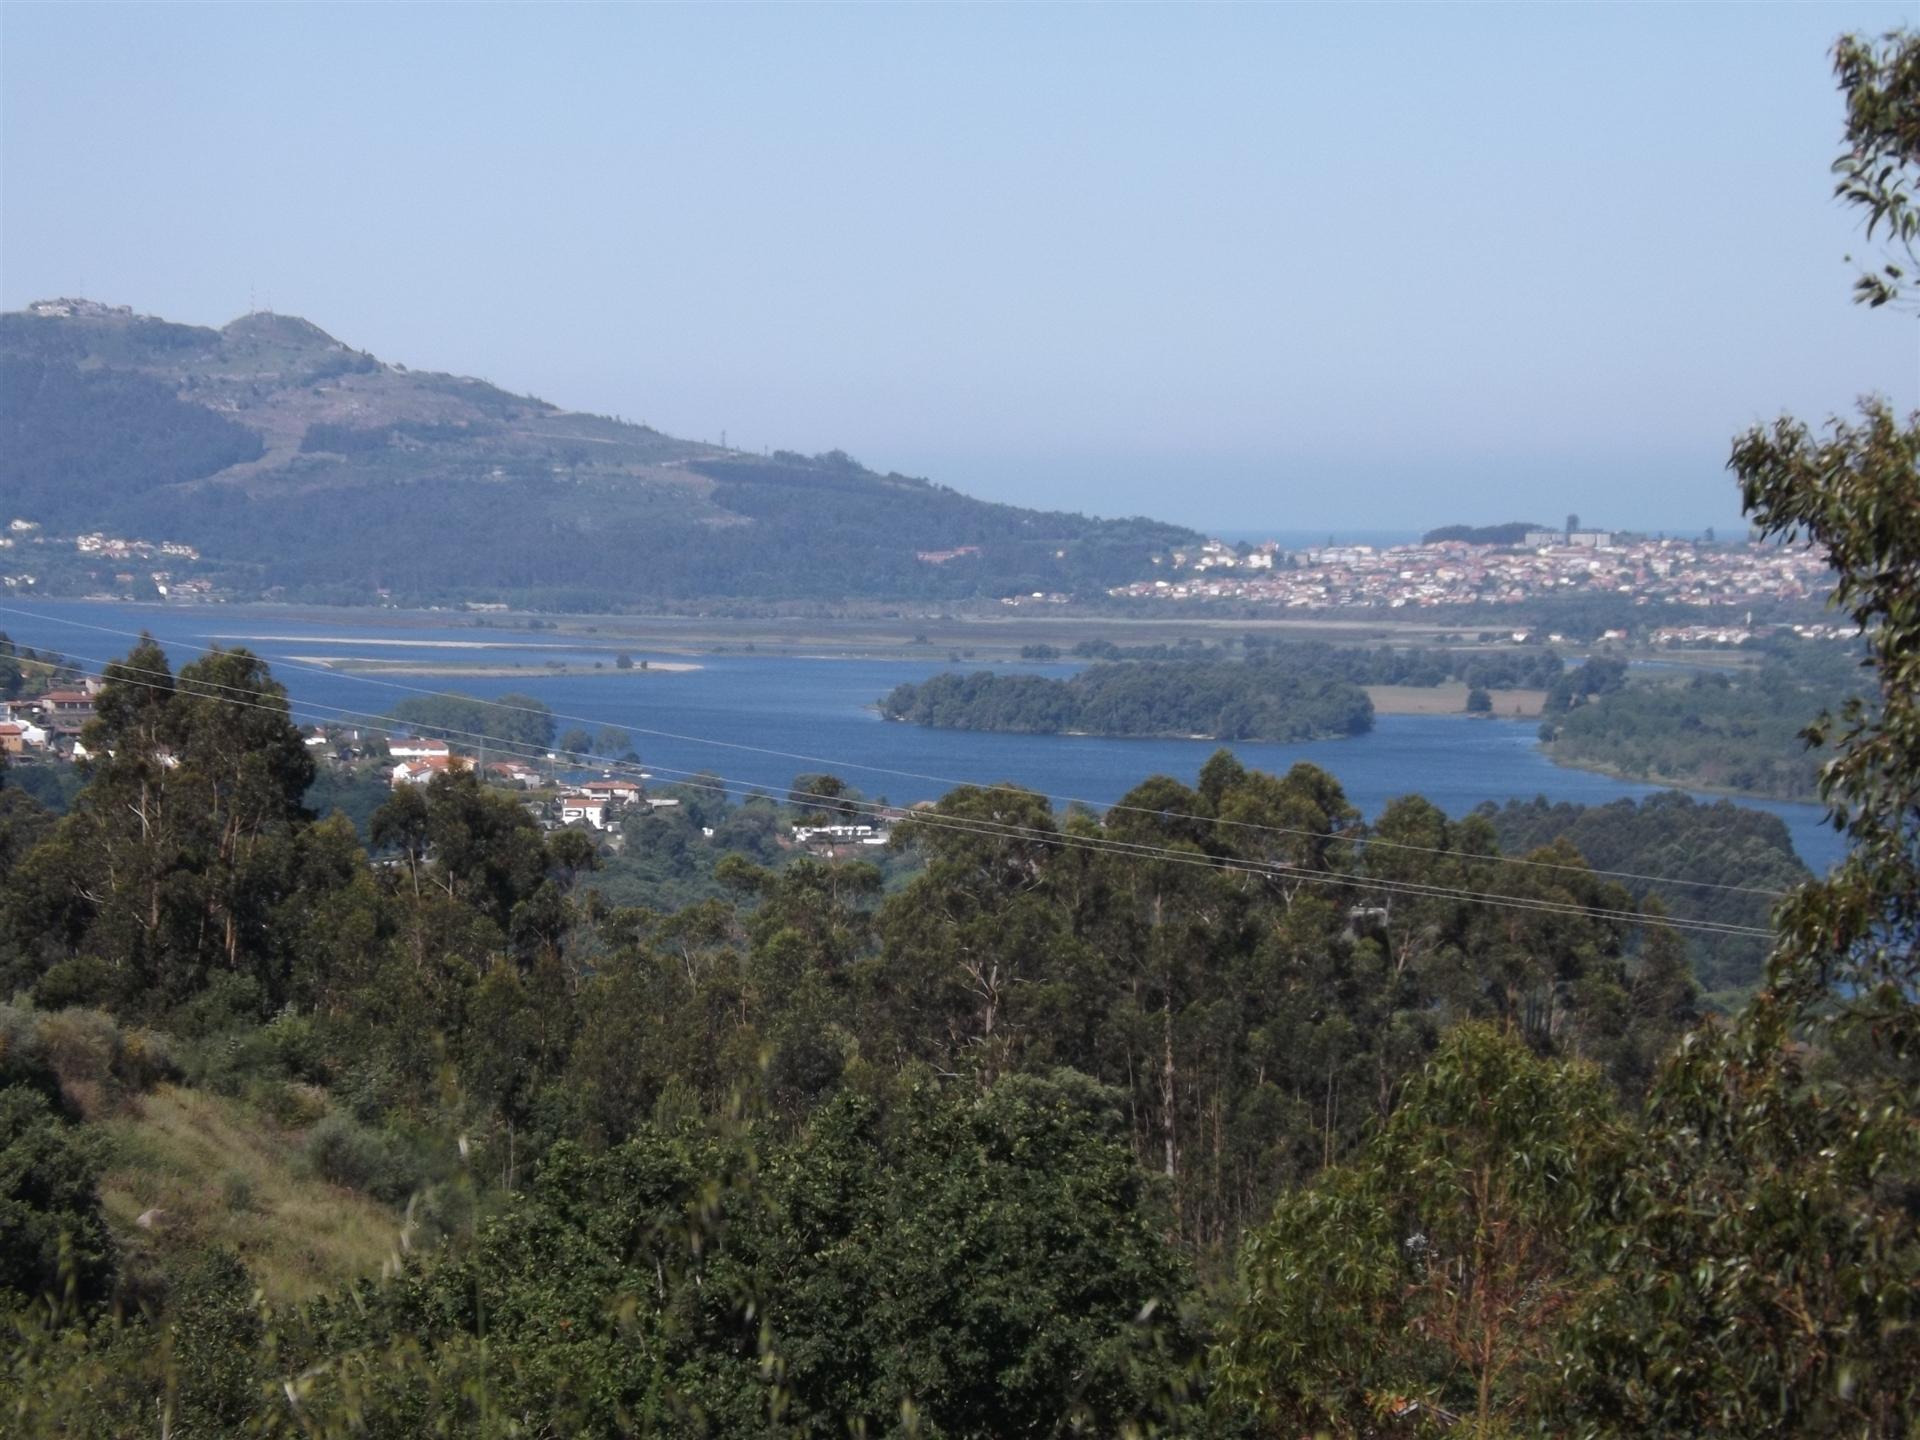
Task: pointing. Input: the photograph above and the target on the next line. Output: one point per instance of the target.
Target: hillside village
(112, 564)
(47, 728)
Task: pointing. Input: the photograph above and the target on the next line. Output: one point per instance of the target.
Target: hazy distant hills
(300, 466)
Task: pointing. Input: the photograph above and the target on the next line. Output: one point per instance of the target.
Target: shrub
(51, 1231)
(342, 1150)
(80, 1045)
(290, 1103)
(78, 980)
(146, 1059)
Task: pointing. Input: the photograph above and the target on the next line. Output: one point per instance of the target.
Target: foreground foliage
(1223, 1113)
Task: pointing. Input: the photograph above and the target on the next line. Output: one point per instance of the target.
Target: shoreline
(353, 665)
(909, 630)
(1116, 735)
(1693, 787)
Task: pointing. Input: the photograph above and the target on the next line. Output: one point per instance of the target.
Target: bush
(289, 1102)
(51, 1231)
(146, 1059)
(80, 980)
(295, 1044)
(342, 1150)
(81, 1047)
(230, 1001)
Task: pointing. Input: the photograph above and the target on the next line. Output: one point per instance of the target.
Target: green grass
(224, 1175)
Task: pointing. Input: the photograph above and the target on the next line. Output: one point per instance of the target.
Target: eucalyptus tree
(1766, 1276)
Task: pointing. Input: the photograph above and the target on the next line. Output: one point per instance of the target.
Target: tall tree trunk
(1166, 1080)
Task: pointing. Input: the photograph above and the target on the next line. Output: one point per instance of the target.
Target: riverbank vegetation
(1252, 689)
(1738, 730)
(1227, 701)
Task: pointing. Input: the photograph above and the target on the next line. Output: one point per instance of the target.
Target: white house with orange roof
(419, 772)
(578, 807)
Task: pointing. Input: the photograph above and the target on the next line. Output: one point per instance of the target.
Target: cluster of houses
(1647, 571)
(598, 804)
(49, 724)
(98, 545)
(833, 837)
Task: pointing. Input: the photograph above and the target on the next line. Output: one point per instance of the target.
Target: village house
(512, 772)
(625, 792)
(578, 807)
(419, 772)
(67, 707)
(410, 747)
(831, 835)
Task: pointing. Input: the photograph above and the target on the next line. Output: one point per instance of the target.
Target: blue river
(759, 720)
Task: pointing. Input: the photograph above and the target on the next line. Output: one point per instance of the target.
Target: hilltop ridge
(301, 467)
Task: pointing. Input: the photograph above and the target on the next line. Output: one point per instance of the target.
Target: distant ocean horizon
(1297, 539)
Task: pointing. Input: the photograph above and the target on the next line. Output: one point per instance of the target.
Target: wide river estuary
(759, 720)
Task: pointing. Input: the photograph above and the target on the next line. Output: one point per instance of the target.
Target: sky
(1246, 268)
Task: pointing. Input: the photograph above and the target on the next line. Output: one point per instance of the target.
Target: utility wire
(1003, 830)
(1360, 840)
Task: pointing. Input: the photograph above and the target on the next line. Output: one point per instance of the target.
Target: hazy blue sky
(1279, 267)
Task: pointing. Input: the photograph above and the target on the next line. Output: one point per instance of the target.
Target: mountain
(299, 467)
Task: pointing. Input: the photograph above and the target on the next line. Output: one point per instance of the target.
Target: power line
(1063, 800)
(1008, 831)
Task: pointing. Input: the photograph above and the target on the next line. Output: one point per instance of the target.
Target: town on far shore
(1511, 567)
(1457, 567)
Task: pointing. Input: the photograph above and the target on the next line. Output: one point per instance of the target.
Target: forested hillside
(863, 1107)
(1736, 863)
(303, 468)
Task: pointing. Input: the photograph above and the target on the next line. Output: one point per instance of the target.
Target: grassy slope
(188, 1151)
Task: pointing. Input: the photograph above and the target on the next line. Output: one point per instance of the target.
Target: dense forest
(1220, 1114)
(1129, 1036)
(1252, 689)
(1727, 729)
(71, 434)
(1732, 864)
(1520, 668)
(1265, 699)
